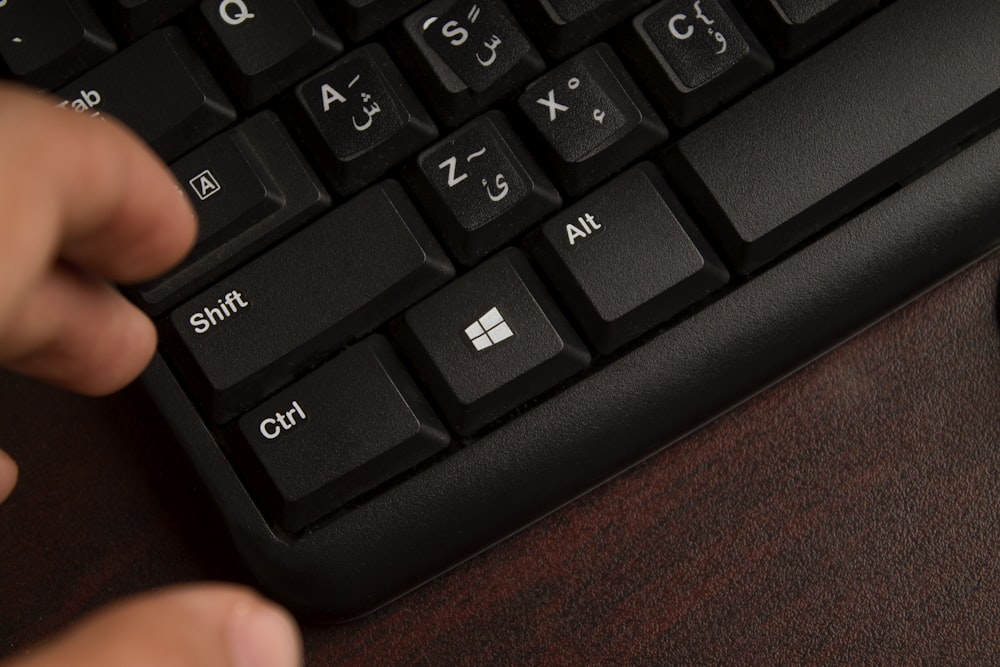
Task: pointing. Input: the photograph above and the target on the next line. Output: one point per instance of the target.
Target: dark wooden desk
(850, 514)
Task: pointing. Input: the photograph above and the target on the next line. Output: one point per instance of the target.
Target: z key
(482, 187)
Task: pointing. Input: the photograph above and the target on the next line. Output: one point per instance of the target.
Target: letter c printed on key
(268, 432)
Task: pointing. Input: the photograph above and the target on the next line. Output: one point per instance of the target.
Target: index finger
(86, 191)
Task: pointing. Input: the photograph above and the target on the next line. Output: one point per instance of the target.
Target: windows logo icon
(488, 330)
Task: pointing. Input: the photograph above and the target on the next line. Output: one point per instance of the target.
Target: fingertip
(143, 225)
(112, 206)
(204, 625)
(8, 475)
(260, 634)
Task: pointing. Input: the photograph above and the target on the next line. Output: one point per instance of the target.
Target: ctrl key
(350, 425)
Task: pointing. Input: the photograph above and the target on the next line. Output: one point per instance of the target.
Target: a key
(249, 186)
(350, 425)
(265, 46)
(490, 341)
(174, 110)
(694, 57)
(331, 282)
(360, 19)
(481, 187)
(591, 118)
(134, 18)
(793, 27)
(561, 27)
(780, 165)
(626, 258)
(468, 55)
(48, 42)
(359, 117)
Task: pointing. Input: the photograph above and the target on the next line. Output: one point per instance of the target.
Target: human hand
(83, 202)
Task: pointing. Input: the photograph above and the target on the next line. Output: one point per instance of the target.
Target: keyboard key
(694, 60)
(334, 281)
(250, 191)
(48, 42)
(134, 18)
(359, 117)
(352, 424)
(249, 187)
(490, 341)
(792, 27)
(158, 87)
(561, 27)
(591, 118)
(481, 187)
(626, 258)
(827, 135)
(360, 19)
(265, 46)
(467, 56)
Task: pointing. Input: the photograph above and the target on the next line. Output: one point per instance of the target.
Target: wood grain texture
(849, 514)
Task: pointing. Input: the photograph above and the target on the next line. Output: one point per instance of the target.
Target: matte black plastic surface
(626, 257)
(359, 117)
(466, 65)
(263, 54)
(792, 27)
(693, 63)
(672, 383)
(328, 284)
(358, 19)
(172, 113)
(48, 43)
(284, 175)
(348, 426)
(563, 26)
(843, 125)
(481, 187)
(134, 18)
(591, 118)
(490, 341)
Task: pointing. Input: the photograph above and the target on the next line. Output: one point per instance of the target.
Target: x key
(600, 122)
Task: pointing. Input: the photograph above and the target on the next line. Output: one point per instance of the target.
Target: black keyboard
(460, 262)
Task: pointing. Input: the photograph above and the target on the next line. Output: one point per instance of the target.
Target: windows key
(490, 341)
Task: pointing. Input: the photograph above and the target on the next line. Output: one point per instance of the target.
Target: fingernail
(8, 475)
(262, 635)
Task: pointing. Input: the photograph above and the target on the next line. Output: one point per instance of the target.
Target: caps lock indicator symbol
(204, 185)
(488, 330)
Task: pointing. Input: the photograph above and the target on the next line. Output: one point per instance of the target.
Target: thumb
(8, 475)
(208, 625)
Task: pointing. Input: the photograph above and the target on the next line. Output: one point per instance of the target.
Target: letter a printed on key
(330, 95)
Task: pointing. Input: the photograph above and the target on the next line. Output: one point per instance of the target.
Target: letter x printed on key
(550, 102)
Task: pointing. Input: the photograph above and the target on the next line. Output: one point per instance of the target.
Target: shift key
(336, 280)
